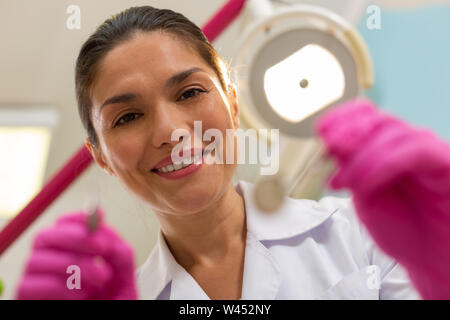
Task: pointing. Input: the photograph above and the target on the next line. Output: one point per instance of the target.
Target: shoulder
(155, 274)
(344, 235)
(144, 275)
(327, 227)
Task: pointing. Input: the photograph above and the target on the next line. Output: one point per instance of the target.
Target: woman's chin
(196, 195)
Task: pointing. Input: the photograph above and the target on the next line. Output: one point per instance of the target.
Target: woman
(146, 72)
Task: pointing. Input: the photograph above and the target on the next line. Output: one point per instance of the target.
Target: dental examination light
(299, 61)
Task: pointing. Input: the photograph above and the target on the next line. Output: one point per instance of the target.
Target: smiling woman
(143, 74)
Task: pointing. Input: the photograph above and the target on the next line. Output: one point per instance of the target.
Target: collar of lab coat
(296, 216)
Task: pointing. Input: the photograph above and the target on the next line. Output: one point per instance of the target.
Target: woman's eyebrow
(122, 98)
(173, 81)
(180, 77)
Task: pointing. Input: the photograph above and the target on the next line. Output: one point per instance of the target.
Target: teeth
(177, 166)
(187, 162)
(197, 158)
(183, 164)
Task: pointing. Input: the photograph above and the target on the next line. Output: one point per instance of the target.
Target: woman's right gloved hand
(68, 252)
(399, 176)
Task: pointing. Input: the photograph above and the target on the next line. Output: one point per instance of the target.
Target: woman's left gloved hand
(399, 176)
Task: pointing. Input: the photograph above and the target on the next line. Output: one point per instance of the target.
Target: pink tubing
(217, 24)
(82, 158)
(57, 184)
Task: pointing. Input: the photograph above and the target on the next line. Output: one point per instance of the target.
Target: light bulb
(304, 82)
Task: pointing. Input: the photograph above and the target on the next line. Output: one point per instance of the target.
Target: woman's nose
(166, 120)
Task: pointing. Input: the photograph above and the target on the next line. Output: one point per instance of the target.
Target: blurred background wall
(37, 60)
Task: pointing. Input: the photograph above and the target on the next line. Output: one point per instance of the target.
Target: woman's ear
(98, 157)
(234, 105)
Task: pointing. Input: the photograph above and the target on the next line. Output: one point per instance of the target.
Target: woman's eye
(191, 93)
(126, 118)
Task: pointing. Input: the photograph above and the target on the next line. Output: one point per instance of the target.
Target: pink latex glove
(106, 263)
(399, 177)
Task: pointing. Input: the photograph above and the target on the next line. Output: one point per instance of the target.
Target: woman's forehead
(151, 57)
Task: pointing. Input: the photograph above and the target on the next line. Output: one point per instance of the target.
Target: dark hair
(120, 28)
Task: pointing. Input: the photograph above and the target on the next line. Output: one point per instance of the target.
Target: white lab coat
(307, 250)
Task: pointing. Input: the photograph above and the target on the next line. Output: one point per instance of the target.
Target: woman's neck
(207, 237)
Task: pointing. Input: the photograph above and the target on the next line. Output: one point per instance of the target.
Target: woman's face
(134, 131)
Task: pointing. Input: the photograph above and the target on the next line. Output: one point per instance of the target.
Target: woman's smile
(175, 171)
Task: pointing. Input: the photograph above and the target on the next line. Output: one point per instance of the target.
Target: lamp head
(299, 61)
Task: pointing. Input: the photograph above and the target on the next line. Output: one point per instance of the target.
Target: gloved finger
(348, 137)
(392, 154)
(386, 143)
(346, 126)
(81, 218)
(121, 259)
(75, 238)
(48, 287)
(417, 159)
(94, 272)
(120, 255)
(351, 111)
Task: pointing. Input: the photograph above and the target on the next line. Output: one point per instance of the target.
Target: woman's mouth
(180, 170)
